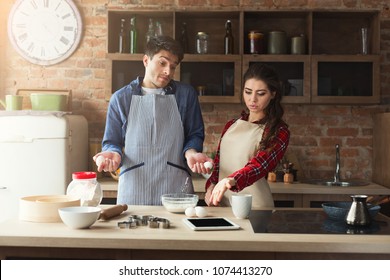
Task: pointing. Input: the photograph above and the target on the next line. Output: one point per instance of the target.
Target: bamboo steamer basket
(44, 208)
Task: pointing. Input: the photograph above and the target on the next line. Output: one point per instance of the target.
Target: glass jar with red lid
(84, 186)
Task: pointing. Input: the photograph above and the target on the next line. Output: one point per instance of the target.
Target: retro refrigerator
(38, 154)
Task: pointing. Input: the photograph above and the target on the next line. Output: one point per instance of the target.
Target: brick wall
(315, 128)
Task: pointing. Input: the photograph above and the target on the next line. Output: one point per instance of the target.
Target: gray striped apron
(238, 145)
(153, 163)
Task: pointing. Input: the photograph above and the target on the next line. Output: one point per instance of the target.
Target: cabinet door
(339, 33)
(121, 70)
(294, 71)
(341, 73)
(347, 80)
(216, 77)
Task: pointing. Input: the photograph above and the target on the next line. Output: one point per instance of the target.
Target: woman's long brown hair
(274, 111)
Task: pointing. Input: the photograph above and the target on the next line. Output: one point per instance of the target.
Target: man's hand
(196, 161)
(107, 161)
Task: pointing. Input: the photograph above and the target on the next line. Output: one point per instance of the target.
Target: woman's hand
(208, 195)
(219, 190)
(107, 161)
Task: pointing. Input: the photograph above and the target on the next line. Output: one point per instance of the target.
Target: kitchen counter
(104, 240)
(299, 194)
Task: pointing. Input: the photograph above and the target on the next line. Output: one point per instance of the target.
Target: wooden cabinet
(381, 149)
(217, 73)
(332, 70)
(340, 71)
(342, 79)
(292, 69)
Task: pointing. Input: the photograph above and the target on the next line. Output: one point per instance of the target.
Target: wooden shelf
(333, 46)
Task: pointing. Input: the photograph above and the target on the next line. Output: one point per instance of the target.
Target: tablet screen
(210, 224)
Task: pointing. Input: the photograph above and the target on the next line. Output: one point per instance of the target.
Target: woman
(253, 144)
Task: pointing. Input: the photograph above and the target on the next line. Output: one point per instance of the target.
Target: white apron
(238, 145)
(153, 163)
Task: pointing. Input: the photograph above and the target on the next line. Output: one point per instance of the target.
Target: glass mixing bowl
(179, 202)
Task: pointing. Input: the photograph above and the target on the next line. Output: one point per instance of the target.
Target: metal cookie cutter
(127, 224)
(149, 220)
(157, 222)
(153, 222)
(135, 219)
(141, 220)
(145, 219)
(164, 223)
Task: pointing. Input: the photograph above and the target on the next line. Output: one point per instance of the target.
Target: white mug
(241, 205)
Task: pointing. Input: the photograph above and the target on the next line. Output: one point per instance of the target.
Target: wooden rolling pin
(113, 211)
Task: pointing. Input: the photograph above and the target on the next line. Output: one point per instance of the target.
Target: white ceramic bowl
(179, 202)
(80, 216)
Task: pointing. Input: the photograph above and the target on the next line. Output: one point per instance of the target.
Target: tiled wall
(315, 128)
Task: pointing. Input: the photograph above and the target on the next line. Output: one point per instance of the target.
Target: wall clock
(45, 32)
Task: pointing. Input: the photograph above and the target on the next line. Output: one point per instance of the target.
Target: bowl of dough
(179, 202)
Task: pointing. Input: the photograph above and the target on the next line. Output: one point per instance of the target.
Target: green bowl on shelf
(49, 102)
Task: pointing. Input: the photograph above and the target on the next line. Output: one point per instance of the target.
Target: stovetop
(309, 222)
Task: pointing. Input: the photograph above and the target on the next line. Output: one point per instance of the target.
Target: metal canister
(255, 42)
(277, 42)
(202, 42)
(298, 45)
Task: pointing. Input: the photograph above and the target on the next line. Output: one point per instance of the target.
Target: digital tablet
(211, 223)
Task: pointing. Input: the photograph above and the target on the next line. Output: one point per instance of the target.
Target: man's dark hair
(166, 43)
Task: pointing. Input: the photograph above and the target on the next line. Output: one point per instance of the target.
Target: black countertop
(309, 222)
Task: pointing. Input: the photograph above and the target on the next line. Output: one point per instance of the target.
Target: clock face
(44, 32)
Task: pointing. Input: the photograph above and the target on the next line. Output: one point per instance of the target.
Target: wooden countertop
(105, 235)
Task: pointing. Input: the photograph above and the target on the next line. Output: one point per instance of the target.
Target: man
(154, 130)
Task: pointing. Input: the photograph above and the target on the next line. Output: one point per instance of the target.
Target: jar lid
(84, 175)
(201, 33)
(254, 34)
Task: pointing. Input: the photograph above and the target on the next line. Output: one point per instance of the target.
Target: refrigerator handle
(70, 141)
